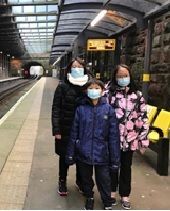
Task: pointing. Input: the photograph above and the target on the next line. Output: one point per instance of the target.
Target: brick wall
(133, 49)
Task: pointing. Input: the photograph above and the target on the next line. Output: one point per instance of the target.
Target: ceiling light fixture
(98, 17)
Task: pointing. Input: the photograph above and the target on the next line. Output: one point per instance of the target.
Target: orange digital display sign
(101, 44)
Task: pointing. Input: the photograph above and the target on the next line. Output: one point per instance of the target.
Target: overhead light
(58, 59)
(98, 17)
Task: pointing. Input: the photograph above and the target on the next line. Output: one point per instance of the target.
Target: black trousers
(63, 168)
(122, 179)
(103, 181)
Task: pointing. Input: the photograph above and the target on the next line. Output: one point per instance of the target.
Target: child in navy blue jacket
(94, 142)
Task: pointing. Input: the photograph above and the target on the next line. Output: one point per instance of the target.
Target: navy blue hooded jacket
(95, 135)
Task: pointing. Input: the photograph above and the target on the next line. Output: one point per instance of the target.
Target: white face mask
(123, 81)
(77, 72)
(94, 93)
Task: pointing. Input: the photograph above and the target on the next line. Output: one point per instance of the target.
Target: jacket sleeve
(142, 123)
(73, 137)
(56, 110)
(114, 139)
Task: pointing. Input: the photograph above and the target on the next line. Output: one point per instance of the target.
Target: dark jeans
(123, 178)
(102, 177)
(63, 168)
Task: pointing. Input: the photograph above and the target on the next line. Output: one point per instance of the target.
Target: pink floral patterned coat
(132, 115)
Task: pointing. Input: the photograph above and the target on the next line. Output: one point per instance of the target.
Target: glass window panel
(51, 24)
(34, 30)
(50, 18)
(13, 1)
(25, 1)
(29, 9)
(50, 30)
(29, 34)
(31, 18)
(33, 25)
(39, 1)
(23, 25)
(41, 18)
(42, 25)
(52, 8)
(17, 9)
(26, 30)
(20, 19)
(42, 30)
(41, 9)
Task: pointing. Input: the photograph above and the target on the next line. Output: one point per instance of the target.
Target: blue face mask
(123, 81)
(94, 93)
(77, 72)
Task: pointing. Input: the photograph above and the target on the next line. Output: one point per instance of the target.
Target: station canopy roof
(29, 24)
(75, 17)
(51, 26)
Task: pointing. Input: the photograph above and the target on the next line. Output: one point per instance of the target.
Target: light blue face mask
(123, 81)
(77, 72)
(94, 93)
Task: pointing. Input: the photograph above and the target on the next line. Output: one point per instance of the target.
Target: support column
(147, 59)
(1, 75)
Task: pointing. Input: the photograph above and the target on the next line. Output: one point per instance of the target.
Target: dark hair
(94, 81)
(80, 61)
(132, 86)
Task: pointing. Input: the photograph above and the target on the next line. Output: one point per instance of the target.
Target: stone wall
(133, 50)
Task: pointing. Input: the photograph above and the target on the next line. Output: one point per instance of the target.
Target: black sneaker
(62, 188)
(89, 204)
(113, 201)
(126, 205)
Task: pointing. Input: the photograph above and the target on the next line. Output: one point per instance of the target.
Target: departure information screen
(101, 44)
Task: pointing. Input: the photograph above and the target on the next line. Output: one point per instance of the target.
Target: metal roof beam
(9, 30)
(76, 19)
(66, 33)
(50, 21)
(157, 12)
(137, 5)
(62, 44)
(92, 33)
(38, 28)
(58, 51)
(32, 3)
(29, 14)
(7, 23)
(79, 6)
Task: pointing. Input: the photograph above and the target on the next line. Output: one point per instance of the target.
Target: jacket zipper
(126, 110)
(93, 134)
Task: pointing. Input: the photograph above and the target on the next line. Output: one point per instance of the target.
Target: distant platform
(9, 79)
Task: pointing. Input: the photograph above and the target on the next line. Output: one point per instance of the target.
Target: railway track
(10, 96)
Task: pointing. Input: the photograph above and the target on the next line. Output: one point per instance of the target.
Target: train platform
(29, 166)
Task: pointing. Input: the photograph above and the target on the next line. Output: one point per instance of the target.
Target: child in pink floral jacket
(130, 109)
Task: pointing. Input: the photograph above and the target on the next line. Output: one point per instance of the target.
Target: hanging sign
(101, 44)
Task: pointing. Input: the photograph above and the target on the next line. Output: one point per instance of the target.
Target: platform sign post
(101, 44)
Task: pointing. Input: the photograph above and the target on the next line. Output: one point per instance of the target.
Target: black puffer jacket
(65, 101)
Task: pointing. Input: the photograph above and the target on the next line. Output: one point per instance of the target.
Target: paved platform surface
(29, 166)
